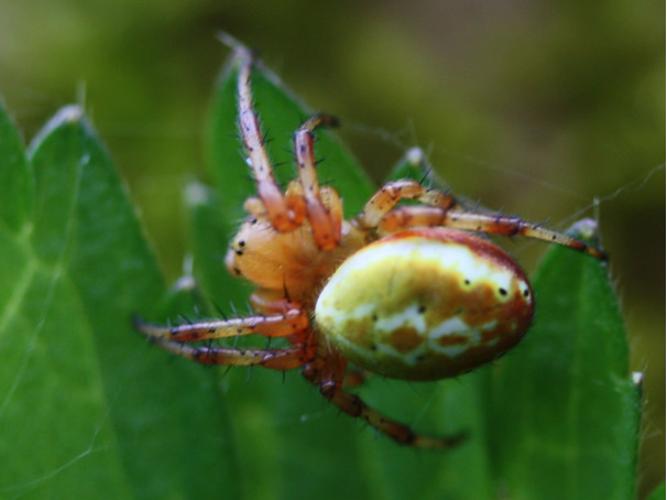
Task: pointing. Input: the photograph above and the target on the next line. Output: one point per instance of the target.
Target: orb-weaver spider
(402, 291)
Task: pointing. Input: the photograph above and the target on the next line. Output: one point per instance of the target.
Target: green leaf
(413, 166)
(285, 429)
(309, 446)
(565, 415)
(15, 179)
(501, 454)
(87, 409)
(658, 493)
(454, 405)
(566, 412)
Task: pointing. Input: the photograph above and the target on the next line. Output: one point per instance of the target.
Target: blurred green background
(534, 108)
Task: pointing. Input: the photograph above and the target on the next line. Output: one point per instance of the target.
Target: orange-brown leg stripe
(392, 193)
(323, 224)
(355, 407)
(276, 325)
(282, 218)
(276, 359)
(511, 226)
(407, 217)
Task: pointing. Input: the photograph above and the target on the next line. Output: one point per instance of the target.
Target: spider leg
(354, 378)
(355, 407)
(255, 207)
(275, 325)
(334, 204)
(276, 359)
(405, 217)
(286, 213)
(389, 195)
(326, 224)
(271, 302)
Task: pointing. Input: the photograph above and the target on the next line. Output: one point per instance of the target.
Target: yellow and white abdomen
(425, 304)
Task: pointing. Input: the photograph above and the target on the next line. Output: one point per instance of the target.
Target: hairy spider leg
(275, 325)
(272, 301)
(393, 192)
(286, 213)
(406, 217)
(325, 224)
(354, 378)
(276, 359)
(334, 204)
(353, 405)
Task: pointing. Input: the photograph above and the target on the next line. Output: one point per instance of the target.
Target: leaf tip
(240, 51)
(72, 113)
(185, 283)
(584, 229)
(196, 194)
(230, 40)
(415, 156)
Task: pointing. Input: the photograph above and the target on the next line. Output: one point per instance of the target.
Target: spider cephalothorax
(403, 291)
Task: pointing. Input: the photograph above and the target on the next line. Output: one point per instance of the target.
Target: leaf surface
(87, 408)
(658, 493)
(565, 415)
(310, 447)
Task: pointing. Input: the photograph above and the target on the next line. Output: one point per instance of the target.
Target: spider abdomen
(425, 304)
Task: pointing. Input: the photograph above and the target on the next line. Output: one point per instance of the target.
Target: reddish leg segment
(276, 325)
(285, 213)
(325, 224)
(354, 378)
(393, 192)
(406, 217)
(334, 204)
(276, 359)
(355, 407)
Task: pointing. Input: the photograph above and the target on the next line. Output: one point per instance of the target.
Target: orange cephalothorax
(403, 291)
(288, 262)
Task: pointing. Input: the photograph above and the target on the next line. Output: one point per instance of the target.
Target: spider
(404, 291)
